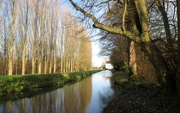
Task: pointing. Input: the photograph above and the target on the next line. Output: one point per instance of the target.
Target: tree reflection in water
(82, 97)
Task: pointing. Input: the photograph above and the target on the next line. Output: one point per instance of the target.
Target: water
(86, 96)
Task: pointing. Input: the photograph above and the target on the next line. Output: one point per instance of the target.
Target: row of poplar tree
(39, 36)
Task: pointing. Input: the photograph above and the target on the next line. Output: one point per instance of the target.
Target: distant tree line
(39, 36)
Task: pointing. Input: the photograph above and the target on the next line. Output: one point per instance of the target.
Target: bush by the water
(119, 66)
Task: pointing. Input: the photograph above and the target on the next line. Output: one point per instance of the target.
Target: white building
(108, 66)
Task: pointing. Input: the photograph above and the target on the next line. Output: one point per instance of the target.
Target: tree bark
(51, 44)
(178, 68)
(24, 58)
(40, 56)
(166, 23)
(45, 63)
(132, 62)
(50, 58)
(34, 48)
(41, 34)
(55, 57)
(25, 41)
(11, 49)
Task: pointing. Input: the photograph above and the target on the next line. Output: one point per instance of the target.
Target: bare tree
(56, 30)
(34, 19)
(11, 48)
(25, 38)
(37, 38)
(41, 27)
(140, 34)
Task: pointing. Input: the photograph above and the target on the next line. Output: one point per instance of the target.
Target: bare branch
(124, 15)
(99, 25)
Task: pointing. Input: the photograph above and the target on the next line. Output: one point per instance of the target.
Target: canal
(87, 96)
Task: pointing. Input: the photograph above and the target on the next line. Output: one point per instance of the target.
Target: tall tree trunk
(69, 65)
(33, 65)
(40, 66)
(40, 48)
(5, 50)
(55, 56)
(61, 65)
(34, 48)
(45, 51)
(40, 55)
(45, 64)
(51, 44)
(24, 42)
(65, 64)
(24, 58)
(132, 62)
(166, 23)
(50, 61)
(178, 68)
(72, 65)
(148, 47)
(55, 62)
(11, 49)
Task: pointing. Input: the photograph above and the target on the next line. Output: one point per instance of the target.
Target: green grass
(19, 84)
(138, 97)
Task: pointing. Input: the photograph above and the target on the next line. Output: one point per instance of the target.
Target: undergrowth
(137, 97)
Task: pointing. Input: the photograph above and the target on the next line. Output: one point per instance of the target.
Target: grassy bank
(21, 84)
(136, 97)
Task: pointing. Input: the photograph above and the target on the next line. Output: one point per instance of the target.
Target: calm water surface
(86, 96)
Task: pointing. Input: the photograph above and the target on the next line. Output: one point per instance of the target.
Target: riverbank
(140, 97)
(17, 86)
